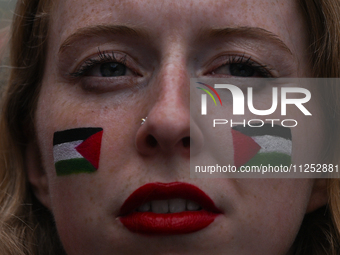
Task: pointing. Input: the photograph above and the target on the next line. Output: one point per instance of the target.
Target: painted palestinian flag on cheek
(77, 150)
(266, 145)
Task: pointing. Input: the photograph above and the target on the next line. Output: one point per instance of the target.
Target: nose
(167, 127)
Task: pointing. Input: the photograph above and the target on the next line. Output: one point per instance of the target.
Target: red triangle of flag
(245, 148)
(90, 148)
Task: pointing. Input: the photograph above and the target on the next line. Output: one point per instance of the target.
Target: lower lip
(168, 223)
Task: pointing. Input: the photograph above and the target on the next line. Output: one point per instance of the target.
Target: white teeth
(144, 208)
(159, 206)
(169, 206)
(192, 206)
(177, 205)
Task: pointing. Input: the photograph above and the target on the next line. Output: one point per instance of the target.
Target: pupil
(112, 69)
(241, 70)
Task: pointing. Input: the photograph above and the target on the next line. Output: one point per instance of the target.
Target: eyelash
(263, 70)
(103, 57)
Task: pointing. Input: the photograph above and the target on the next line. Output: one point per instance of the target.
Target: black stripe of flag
(266, 129)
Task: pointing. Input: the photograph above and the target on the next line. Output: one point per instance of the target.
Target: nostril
(186, 142)
(151, 141)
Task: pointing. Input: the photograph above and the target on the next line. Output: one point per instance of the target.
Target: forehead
(185, 18)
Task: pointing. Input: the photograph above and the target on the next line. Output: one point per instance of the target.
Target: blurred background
(6, 12)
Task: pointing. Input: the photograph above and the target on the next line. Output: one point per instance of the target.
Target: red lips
(167, 223)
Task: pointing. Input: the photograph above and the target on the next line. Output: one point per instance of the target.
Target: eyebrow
(100, 30)
(252, 32)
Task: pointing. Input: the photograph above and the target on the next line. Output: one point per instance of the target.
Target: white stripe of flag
(270, 143)
(65, 151)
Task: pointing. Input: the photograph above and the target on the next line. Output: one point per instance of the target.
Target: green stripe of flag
(272, 158)
(74, 166)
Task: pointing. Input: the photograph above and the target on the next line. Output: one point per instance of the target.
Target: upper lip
(164, 191)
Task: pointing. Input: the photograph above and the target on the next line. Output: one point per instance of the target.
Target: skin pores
(163, 44)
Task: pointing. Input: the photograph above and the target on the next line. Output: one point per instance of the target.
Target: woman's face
(112, 63)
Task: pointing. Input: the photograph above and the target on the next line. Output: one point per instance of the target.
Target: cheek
(309, 137)
(77, 210)
(273, 209)
(82, 202)
(71, 108)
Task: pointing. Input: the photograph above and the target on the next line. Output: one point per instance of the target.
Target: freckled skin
(260, 216)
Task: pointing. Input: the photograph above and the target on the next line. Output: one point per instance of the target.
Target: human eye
(107, 71)
(239, 66)
(104, 64)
